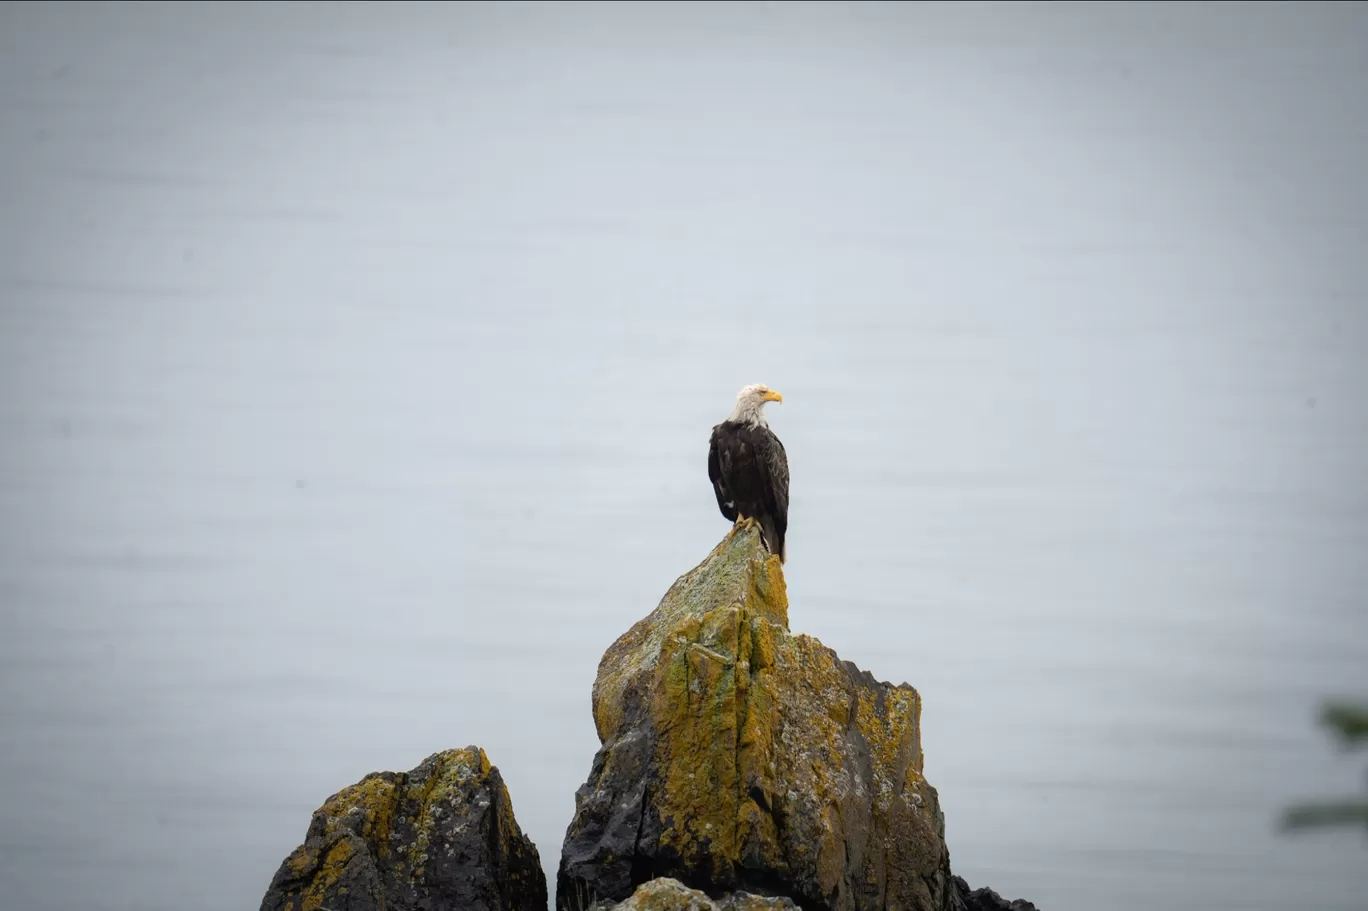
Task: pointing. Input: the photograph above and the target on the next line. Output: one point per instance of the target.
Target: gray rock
(986, 899)
(672, 895)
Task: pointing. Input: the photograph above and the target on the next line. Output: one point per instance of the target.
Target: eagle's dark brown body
(749, 471)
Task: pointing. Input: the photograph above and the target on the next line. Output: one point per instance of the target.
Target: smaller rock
(441, 837)
(986, 899)
(672, 895)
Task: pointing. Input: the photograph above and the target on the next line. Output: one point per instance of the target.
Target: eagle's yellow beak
(772, 396)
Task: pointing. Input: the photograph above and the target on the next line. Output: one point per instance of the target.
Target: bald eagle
(749, 470)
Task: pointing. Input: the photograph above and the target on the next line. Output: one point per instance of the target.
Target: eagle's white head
(750, 402)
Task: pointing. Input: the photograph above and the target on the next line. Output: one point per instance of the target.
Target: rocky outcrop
(439, 837)
(672, 895)
(986, 899)
(737, 757)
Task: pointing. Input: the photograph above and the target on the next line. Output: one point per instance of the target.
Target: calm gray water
(357, 364)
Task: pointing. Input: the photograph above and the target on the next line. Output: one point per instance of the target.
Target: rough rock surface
(672, 895)
(439, 837)
(738, 757)
(987, 899)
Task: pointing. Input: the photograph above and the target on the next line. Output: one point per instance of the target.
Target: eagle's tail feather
(772, 539)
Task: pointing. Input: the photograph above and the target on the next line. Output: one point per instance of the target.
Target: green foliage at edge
(1349, 724)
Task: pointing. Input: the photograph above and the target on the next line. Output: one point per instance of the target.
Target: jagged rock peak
(738, 757)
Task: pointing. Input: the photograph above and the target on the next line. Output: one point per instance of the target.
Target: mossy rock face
(737, 757)
(441, 836)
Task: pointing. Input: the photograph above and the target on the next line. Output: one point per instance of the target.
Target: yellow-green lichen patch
(695, 717)
(886, 718)
(454, 775)
(769, 593)
(334, 864)
(374, 797)
(726, 576)
(303, 861)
